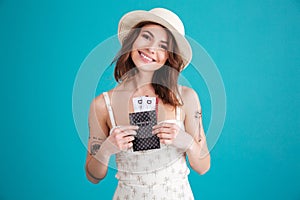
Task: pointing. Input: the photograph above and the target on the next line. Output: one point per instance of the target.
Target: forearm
(96, 166)
(199, 157)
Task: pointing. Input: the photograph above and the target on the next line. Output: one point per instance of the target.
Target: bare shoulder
(98, 103)
(99, 100)
(190, 100)
(99, 107)
(189, 95)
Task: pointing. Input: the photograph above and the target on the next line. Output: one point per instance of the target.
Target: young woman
(154, 51)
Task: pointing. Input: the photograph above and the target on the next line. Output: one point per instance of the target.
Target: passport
(144, 139)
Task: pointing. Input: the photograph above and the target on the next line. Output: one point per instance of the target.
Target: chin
(148, 68)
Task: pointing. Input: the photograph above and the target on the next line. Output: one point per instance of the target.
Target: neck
(141, 84)
(143, 79)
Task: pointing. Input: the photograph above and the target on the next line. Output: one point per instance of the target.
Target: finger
(116, 130)
(162, 130)
(122, 143)
(119, 129)
(131, 127)
(127, 133)
(128, 139)
(166, 141)
(126, 146)
(166, 136)
(164, 124)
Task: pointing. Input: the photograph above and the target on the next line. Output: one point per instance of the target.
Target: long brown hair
(164, 80)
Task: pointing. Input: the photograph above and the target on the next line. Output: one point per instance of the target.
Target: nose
(152, 50)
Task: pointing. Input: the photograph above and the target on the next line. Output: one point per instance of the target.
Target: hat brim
(129, 20)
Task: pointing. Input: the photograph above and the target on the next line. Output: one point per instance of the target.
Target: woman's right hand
(120, 139)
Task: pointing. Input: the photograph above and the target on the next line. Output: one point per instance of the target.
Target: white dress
(159, 174)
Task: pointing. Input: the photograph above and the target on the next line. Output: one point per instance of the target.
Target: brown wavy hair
(164, 80)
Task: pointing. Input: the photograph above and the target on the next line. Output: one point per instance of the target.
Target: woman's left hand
(171, 134)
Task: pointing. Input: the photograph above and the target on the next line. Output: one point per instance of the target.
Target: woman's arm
(192, 139)
(104, 142)
(198, 154)
(96, 167)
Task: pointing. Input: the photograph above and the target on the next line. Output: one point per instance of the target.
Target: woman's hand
(120, 139)
(171, 134)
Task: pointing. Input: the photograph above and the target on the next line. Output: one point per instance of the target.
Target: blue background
(255, 45)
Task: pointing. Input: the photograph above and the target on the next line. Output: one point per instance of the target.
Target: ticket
(144, 103)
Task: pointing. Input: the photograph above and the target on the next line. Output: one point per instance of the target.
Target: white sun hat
(164, 17)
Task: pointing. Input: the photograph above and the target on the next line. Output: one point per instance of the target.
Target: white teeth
(146, 57)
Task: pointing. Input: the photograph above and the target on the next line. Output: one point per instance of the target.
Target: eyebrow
(154, 37)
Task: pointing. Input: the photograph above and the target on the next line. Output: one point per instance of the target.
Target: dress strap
(178, 109)
(109, 108)
(178, 114)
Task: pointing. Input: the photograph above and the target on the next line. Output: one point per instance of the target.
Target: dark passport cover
(144, 139)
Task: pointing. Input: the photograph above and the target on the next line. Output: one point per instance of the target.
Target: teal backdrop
(255, 45)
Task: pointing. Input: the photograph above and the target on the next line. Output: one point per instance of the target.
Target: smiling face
(150, 49)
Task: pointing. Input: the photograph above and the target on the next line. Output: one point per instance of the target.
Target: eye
(165, 47)
(146, 36)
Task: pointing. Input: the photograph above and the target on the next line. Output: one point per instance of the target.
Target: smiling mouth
(145, 57)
